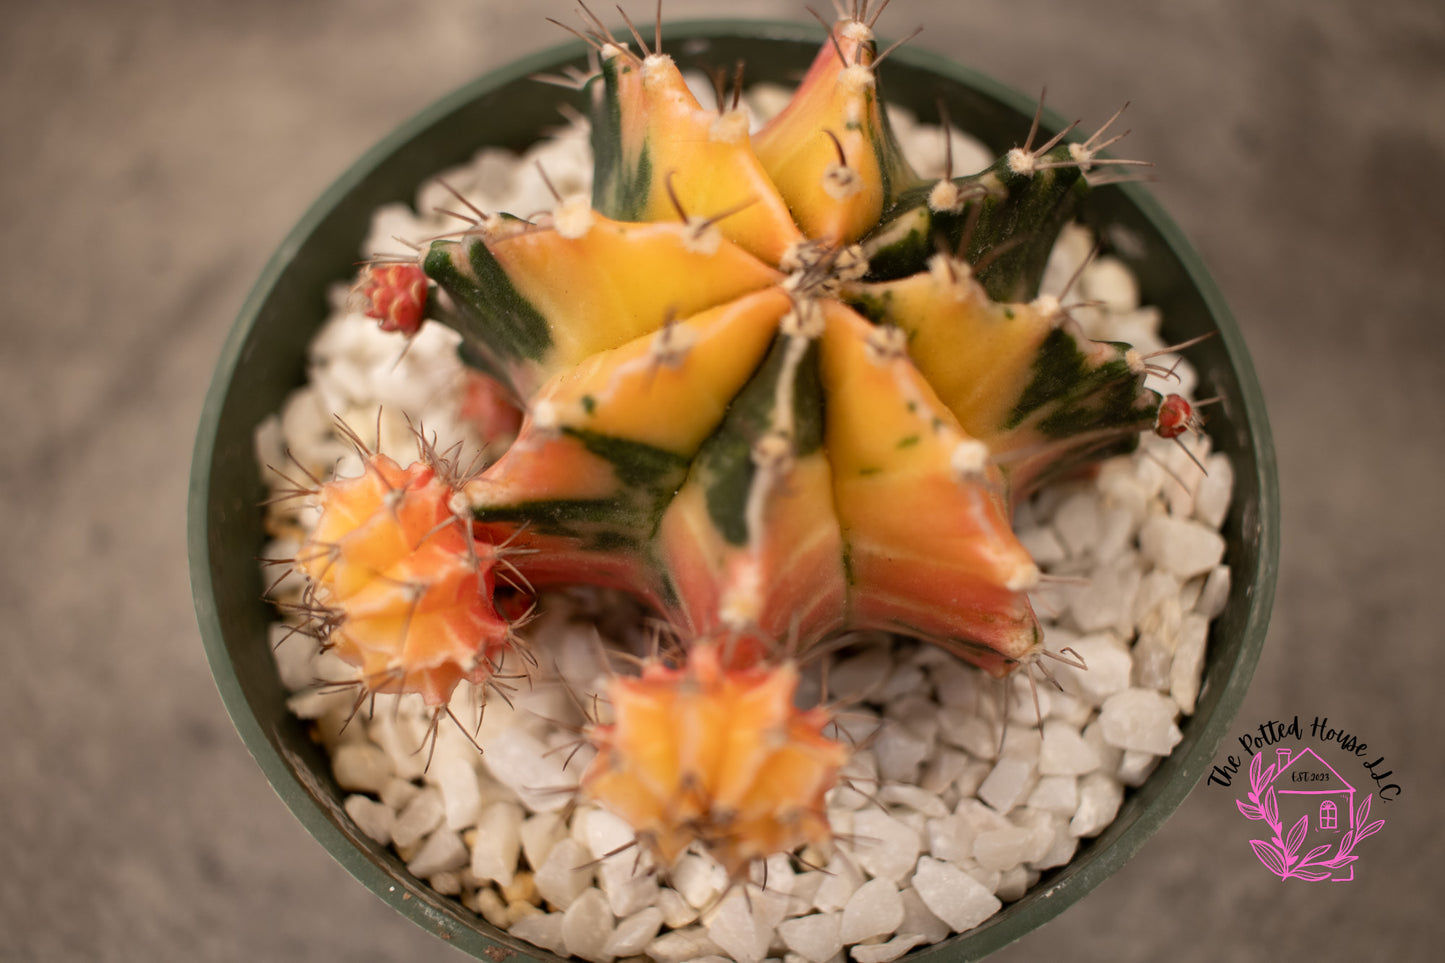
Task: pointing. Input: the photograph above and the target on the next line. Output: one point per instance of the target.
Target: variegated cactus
(778, 386)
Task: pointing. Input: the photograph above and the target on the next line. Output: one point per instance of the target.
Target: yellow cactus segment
(691, 370)
(620, 281)
(715, 754)
(407, 594)
(705, 157)
(787, 578)
(930, 548)
(977, 355)
(830, 151)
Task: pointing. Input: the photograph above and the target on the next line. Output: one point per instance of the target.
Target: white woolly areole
(857, 31)
(1021, 161)
(945, 196)
(1083, 156)
(545, 417)
(1135, 361)
(671, 343)
(459, 504)
(1025, 576)
(805, 320)
(951, 273)
(655, 66)
(729, 128)
(1047, 306)
(856, 78)
(743, 600)
(573, 218)
(841, 182)
(850, 263)
(700, 237)
(969, 458)
(612, 50)
(886, 343)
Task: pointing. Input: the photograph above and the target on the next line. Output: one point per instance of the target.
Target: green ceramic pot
(264, 356)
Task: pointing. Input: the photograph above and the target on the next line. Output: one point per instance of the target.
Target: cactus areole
(773, 383)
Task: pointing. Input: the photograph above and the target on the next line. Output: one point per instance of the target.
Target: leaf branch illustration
(1278, 854)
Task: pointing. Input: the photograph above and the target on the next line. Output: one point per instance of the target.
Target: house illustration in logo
(1305, 785)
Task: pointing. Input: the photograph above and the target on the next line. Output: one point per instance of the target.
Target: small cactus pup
(777, 386)
(397, 586)
(715, 753)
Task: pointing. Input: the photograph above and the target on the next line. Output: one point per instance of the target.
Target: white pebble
(373, 818)
(442, 851)
(456, 779)
(634, 933)
(913, 797)
(1107, 669)
(885, 952)
(1211, 500)
(1013, 884)
(839, 885)
(564, 875)
(1064, 752)
(587, 926)
(887, 848)
(966, 729)
(522, 763)
(1056, 794)
(1108, 599)
(398, 792)
(1077, 523)
(812, 937)
(1184, 672)
(1136, 766)
(360, 767)
(1214, 593)
(1140, 719)
(1109, 280)
(422, 815)
(900, 751)
(541, 929)
(1043, 545)
(498, 843)
(1000, 849)
(875, 910)
(1099, 799)
(737, 932)
(539, 834)
(676, 912)
(678, 946)
(698, 879)
(952, 895)
(1180, 547)
(1008, 783)
(918, 919)
(860, 675)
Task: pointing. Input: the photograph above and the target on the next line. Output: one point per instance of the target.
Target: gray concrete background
(154, 152)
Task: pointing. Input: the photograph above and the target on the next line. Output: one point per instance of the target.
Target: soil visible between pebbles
(964, 789)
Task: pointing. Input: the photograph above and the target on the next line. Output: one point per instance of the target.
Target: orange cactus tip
(403, 591)
(715, 755)
(395, 295)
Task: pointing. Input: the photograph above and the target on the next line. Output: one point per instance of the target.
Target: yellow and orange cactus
(705, 753)
(776, 385)
(401, 587)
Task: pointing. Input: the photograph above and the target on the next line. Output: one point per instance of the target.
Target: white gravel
(938, 827)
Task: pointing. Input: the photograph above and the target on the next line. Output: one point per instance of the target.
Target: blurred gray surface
(154, 153)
